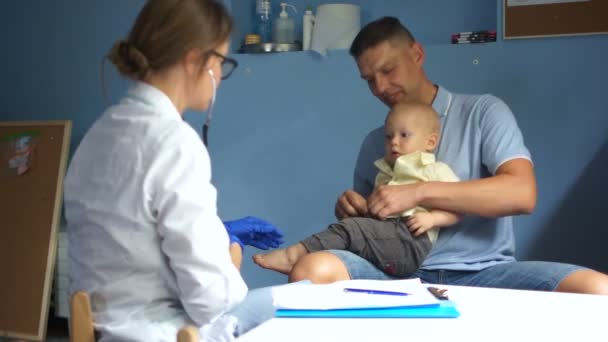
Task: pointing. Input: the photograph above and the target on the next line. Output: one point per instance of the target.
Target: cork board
(555, 19)
(33, 158)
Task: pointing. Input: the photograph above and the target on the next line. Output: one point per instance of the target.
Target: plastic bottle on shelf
(284, 28)
(263, 20)
(307, 24)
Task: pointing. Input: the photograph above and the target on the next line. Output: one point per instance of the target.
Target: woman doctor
(145, 238)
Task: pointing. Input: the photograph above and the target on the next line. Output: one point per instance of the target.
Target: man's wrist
(421, 193)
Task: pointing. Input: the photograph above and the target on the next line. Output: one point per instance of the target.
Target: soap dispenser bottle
(308, 22)
(284, 28)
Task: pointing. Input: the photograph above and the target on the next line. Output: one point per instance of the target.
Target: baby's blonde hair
(424, 115)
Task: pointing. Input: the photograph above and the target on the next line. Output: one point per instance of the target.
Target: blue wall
(287, 127)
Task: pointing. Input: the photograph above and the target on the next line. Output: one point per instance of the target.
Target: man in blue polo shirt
(484, 146)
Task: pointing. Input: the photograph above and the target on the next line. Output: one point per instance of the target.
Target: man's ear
(418, 54)
(432, 141)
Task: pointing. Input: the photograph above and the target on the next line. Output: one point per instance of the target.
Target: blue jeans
(256, 309)
(521, 275)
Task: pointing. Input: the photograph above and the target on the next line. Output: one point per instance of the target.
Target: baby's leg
(403, 254)
(387, 244)
(336, 236)
(281, 260)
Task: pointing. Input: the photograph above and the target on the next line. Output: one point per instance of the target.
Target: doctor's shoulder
(177, 135)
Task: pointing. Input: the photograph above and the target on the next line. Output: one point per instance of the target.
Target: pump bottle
(284, 28)
(307, 24)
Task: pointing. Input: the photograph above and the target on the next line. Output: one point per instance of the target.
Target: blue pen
(380, 292)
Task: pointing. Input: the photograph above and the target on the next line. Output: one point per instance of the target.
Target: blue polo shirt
(478, 134)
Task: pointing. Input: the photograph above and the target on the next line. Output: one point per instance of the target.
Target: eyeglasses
(228, 64)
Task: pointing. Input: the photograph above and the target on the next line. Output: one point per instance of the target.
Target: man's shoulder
(474, 100)
(477, 105)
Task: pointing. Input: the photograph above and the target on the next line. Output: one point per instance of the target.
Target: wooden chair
(81, 318)
(188, 334)
(81, 322)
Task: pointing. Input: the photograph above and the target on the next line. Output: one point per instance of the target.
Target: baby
(397, 245)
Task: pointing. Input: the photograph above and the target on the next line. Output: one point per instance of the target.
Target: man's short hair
(378, 31)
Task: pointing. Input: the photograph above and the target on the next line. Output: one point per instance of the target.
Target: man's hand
(350, 204)
(388, 200)
(255, 232)
(420, 222)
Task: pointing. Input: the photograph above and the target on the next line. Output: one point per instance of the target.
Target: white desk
(486, 315)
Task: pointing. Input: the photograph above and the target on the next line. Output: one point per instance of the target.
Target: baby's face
(403, 135)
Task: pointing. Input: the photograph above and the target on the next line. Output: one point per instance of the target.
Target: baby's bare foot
(281, 260)
(275, 260)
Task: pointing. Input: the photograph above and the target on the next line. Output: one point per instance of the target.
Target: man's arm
(511, 191)
(353, 202)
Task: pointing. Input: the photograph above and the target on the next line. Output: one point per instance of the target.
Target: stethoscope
(205, 129)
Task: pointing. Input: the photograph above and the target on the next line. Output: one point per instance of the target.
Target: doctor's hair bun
(129, 61)
(166, 30)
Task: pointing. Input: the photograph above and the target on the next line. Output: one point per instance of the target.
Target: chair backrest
(81, 318)
(81, 322)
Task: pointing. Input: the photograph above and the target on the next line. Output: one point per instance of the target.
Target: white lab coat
(145, 240)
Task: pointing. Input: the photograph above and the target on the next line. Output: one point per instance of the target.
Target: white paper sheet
(333, 296)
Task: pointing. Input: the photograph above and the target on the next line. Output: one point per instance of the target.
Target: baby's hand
(418, 223)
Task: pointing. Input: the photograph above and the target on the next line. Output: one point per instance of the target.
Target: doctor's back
(145, 240)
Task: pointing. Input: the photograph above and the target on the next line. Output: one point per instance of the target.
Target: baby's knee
(320, 268)
(300, 272)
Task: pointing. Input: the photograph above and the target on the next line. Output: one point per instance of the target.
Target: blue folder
(445, 309)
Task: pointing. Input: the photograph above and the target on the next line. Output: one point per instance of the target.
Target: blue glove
(255, 232)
